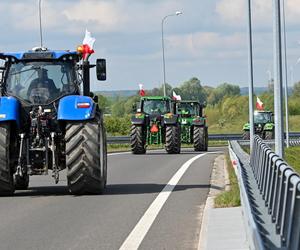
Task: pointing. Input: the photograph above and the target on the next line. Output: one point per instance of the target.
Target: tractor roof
(262, 111)
(40, 54)
(160, 98)
(189, 101)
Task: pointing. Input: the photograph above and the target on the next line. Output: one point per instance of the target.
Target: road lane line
(139, 232)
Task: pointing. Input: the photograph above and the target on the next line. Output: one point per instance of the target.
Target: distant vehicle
(263, 125)
(46, 123)
(155, 122)
(193, 124)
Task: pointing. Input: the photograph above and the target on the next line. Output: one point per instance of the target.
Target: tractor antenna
(40, 18)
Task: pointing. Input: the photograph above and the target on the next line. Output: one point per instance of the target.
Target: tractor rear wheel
(246, 135)
(86, 156)
(200, 138)
(137, 139)
(173, 139)
(6, 176)
(269, 135)
(21, 183)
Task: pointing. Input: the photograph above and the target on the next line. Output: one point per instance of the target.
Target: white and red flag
(259, 104)
(142, 91)
(176, 97)
(87, 45)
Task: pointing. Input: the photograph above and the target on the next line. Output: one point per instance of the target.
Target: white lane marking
(121, 153)
(137, 235)
(126, 153)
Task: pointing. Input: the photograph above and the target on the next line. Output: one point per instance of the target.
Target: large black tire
(6, 176)
(269, 135)
(206, 139)
(200, 138)
(173, 139)
(137, 139)
(246, 135)
(86, 156)
(21, 183)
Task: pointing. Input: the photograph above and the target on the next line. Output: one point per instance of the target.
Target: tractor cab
(190, 108)
(156, 106)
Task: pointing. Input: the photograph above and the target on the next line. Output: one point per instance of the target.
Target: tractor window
(156, 107)
(188, 108)
(40, 82)
(262, 117)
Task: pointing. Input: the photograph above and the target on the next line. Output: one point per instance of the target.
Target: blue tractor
(49, 120)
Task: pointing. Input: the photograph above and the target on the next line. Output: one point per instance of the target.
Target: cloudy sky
(208, 41)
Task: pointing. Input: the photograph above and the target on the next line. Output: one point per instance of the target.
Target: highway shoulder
(221, 228)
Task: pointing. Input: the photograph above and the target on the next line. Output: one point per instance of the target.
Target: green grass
(229, 198)
(126, 147)
(292, 157)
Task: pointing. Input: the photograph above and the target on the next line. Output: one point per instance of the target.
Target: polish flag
(87, 45)
(176, 97)
(259, 104)
(142, 91)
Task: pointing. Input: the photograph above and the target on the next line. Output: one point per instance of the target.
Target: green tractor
(263, 125)
(155, 122)
(193, 124)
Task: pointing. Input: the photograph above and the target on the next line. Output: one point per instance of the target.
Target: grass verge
(292, 157)
(230, 198)
(126, 147)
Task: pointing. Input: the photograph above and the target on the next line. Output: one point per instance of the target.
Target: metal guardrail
(279, 186)
(213, 137)
(273, 190)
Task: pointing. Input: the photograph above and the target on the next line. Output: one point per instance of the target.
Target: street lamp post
(163, 47)
(250, 75)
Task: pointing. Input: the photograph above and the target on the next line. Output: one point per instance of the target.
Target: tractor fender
(199, 122)
(170, 119)
(246, 127)
(10, 109)
(76, 108)
(138, 119)
(268, 126)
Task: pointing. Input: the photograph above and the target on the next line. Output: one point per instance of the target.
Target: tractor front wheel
(200, 138)
(86, 156)
(6, 176)
(173, 140)
(246, 135)
(137, 139)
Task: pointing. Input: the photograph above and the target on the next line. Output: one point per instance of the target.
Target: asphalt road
(47, 217)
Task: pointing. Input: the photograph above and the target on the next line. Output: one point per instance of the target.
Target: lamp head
(178, 13)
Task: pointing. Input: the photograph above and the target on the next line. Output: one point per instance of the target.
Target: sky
(208, 41)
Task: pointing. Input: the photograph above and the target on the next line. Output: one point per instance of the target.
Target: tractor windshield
(39, 82)
(188, 108)
(262, 117)
(156, 107)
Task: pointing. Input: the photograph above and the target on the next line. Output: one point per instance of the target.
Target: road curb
(209, 204)
(202, 245)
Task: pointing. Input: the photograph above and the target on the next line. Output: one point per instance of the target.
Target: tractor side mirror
(101, 69)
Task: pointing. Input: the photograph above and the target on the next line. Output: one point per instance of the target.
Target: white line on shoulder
(137, 235)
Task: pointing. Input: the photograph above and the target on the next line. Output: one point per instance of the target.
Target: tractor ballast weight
(47, 124)
(155, 122)
(193, 124)
(263, 125)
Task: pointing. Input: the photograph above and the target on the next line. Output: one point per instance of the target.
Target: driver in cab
(41, 88)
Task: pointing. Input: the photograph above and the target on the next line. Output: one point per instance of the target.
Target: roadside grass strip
(292, 157)
(230, 198)
(137, 235)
